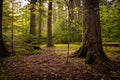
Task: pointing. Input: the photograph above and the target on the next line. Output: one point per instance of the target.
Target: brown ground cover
(51, 66)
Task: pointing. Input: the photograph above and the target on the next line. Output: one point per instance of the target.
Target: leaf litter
(52, 66)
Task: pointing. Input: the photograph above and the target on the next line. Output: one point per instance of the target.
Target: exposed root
(98, 59)
(81, 52)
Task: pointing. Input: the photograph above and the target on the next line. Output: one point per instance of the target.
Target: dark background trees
(49, 25)
(32, 17)
(3, 50)
(109, 19)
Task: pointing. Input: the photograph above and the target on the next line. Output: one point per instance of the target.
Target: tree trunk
(3, 50)
(40, 23)
(49, 25)
(32, 18)
(92, 48)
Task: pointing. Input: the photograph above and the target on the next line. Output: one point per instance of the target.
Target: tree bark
(40, 22)
(91, 48)
(49, 25)
(3, 50)
(32, 18)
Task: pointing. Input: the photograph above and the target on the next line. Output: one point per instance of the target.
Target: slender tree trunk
(3, 50)
(40, 22)
(49, 25)
(71, 7)
(12, 29)
(92, 48)
(32, 18)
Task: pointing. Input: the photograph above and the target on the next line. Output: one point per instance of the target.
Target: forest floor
(51, 66)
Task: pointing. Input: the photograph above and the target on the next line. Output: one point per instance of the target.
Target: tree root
(97, 58)
(81, 52)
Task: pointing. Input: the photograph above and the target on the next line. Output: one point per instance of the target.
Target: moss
(98, 59)
(89, 58)
(81, 52)
(94, 58)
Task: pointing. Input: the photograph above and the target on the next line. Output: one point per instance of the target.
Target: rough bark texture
(49, 25)
(32, 18)
(3, 50)
(92, 43)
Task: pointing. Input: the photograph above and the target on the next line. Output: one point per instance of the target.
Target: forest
(59, 39)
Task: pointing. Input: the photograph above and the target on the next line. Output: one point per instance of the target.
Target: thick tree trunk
(92, 48)
(49, 25)
(3, 50)
(32, 18)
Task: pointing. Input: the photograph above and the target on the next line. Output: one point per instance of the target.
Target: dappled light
(59, 40)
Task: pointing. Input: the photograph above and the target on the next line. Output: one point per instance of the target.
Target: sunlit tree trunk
(32, 17)
(3, 50)
(91, 48)
(49, 25)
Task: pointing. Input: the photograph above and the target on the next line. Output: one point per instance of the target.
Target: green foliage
(112, 50)
(110, 21)
(60, 33)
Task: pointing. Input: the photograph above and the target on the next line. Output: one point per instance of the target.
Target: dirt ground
(51, 66)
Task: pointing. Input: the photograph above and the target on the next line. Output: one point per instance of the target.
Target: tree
(49, 25)
(40, 10)
(3, 50)
(91, 48)
(32, 18)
